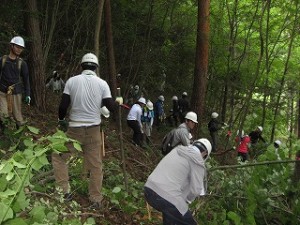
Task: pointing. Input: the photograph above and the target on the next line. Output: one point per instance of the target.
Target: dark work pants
(137, 133)
(171, 215)
(214, 139)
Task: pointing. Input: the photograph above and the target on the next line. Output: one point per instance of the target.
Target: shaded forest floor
(139, 162)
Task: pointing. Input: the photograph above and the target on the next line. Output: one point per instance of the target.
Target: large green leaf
(5, 209)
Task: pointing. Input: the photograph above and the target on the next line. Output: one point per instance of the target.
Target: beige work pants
(16, 107)
(90, 140)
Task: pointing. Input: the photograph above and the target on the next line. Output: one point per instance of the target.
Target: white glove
(225, 124)
(119, 100)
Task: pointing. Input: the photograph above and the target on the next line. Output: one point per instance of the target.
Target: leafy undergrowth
(261, 194)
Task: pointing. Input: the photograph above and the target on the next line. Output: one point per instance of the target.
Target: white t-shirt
(86, 93)
(135, 113)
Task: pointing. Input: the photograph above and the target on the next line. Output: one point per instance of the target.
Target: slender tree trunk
(98, 28)
(292, 38)
(201, 63)
(36, 62)
(110, 49)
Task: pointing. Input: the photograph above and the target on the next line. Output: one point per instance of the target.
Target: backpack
(166, 145)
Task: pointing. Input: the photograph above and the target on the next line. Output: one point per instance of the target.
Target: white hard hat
(136, 87)
(105, 112)
(174, 98)
(238, 132)
(184, 93)
(191, 116)
(260, 128)
(90, 59)
(203, 142)
(161, 98)
(18, 40)
(142, 100)
(277, 142)
(214, 115)
(149, 105)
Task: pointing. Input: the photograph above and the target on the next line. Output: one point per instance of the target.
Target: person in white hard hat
(147, 119)
(178, 179)
(175, 110)
(84, 94)
(56, 83)
(183, 131)
(183, 105)
(256, 135)
(159, 111)
(135, 123)
(214, 125)
(14, 82)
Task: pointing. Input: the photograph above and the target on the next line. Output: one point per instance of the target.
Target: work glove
(119, 100)
(27, 100)
(63, 125)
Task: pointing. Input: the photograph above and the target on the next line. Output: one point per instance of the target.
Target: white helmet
(90, 59)
(142, 100)
(203, 142)
(136, 87)
(260, 128)
(18, 40)
(174, 98)
(191, 116)
(214, 115)
(184, 94)
(277, 142)
(149, 105)
(161, 98)
(105, 112)
(238, 132)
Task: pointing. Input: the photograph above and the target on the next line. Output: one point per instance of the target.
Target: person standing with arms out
(84, 94)
(134, 121)
(147, 119)
(14, 81)
(184, 106)
(177, 180)
(213, 126)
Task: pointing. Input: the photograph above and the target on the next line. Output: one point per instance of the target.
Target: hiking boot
(95, 205)
(68, 197)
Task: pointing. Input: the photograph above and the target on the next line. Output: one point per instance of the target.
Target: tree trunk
(201, 63)
(36, 63)
(98, 28)
(110, 49)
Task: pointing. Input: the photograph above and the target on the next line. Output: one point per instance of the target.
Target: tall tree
(201, 59)
(98, 27)
(110, 49)
(36, 62)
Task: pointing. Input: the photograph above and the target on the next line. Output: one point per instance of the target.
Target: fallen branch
(252, 164)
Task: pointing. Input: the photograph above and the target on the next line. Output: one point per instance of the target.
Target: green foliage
(28, 155)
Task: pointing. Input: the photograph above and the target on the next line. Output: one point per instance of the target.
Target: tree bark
(201, 63)
(110, 49)
(98, 28)
(36, 63)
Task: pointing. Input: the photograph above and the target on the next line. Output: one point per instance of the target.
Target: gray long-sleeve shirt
(179, 177)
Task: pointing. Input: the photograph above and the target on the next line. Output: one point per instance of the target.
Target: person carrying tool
(178, 179)
(84, 94)
(14, 81)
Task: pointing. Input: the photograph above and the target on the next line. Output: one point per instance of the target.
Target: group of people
(178, 178)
